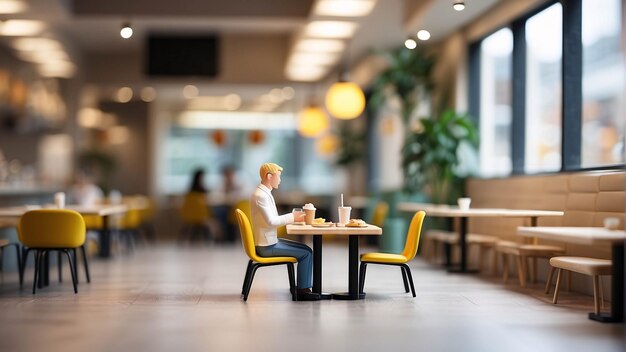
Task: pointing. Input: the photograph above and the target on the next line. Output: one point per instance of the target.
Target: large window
(603, 112)
(543, 90)
(495, 103)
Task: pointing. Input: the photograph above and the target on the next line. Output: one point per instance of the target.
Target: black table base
(353, 270)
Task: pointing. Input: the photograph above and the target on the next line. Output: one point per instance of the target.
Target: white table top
(580, 235)
(98, 210)
(454, 211)
(333, 230)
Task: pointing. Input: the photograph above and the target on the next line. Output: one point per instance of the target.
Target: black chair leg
(18, 252)
(75, 259)
(408, 273)
(59, 266)
(38, 255)
(72, 269)
(249, 286)
(245, 279)
(292, 282)
(362, 271)
(24, 257)
(406, 283)
(84, 253)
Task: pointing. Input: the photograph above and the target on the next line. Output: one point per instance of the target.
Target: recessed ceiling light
(459, 5)
(124, 94)
(330, 29)
(423, 35)
(12, 6)
(320, 45)
(21, 28)
(410, 44)
(33, 44)
(344, 8)
(126, 31)
(147, 94)
(305, 73)
(310, 58)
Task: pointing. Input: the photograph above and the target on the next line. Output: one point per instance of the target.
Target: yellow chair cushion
(270, 260)
(383, 258)
(93, 222)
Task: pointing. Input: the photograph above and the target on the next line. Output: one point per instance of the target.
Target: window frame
(571, 83)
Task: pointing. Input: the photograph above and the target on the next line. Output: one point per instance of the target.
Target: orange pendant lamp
(312, 121)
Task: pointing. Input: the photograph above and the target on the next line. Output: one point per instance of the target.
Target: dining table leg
(317, 267)
(353, 272)
(462, 268)
(105, 238)
(617, 290)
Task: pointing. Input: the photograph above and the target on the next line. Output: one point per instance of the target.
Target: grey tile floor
(171, 298)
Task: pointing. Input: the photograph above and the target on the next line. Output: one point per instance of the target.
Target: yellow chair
(380, 214)
(255, 262)
(410, 249)
(195, 214)
(51, 229)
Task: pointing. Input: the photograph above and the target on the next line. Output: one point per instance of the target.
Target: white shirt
(265, 218)
(86, 195)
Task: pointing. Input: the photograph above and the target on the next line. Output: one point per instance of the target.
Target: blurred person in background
(84, 191)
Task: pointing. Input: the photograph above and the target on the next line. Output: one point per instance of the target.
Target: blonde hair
(269, 168)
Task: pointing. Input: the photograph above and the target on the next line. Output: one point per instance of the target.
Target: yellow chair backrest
(243, 205)
(247, 237)
(52, 228)
(93, 222)
(413, 236)
(195, 209)
(380, 214)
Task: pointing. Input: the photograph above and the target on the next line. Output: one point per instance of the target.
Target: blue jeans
(300, 251)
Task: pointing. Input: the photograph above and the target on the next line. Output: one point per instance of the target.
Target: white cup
(344, 215)
(59, 200)
(611, 223)
(464, 203)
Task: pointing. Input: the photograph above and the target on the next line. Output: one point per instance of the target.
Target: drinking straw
(342, 200)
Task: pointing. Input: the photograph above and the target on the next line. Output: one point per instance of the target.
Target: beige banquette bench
(587, 198)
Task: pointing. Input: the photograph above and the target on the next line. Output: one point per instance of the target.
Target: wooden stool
(522, 252)
(582, 265)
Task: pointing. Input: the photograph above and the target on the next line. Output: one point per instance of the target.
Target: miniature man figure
(265, 220)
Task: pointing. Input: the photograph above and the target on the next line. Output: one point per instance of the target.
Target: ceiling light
(21, 28)
(43, 56)
(305, 73)
(190, 91)
(316, 59)
(410, 44)
(57, 68)
(124, 94)
(147, 94)
(126, 31)
(320, 45)
(12, 6)
(288, 93)
(459, 5)
(330, 29)
(344, 8)
(423, 35)
(345, 100)
(36, 44)
(312, 121)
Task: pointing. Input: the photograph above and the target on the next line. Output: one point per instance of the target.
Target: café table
(353, 234)
(103, 210)
(592, 236)
(464, 214)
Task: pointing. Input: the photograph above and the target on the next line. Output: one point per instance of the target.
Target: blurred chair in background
(51, 230)
(196, 217)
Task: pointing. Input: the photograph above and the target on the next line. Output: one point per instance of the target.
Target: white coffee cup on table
(464, 203)
(611, 223)
(344, 215)
(59, 200)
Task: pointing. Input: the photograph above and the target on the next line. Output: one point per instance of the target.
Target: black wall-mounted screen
(182, 55)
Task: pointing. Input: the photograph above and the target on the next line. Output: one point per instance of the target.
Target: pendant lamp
(312, 121)
(345, 100)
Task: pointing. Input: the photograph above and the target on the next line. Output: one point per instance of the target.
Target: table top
(333, 230)
(580, 235)
(98, 210)
(439, 210)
